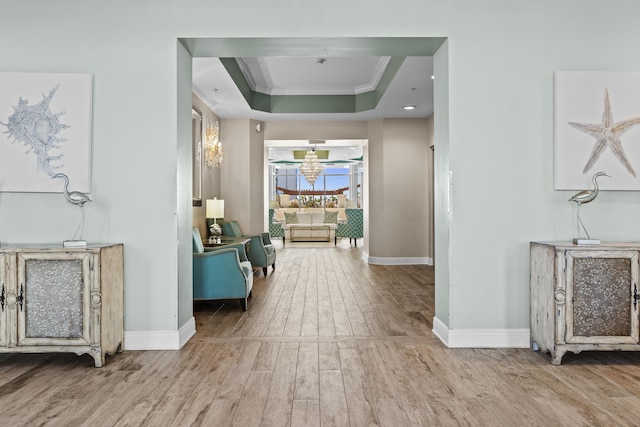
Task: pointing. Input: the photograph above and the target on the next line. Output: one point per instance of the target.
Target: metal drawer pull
(21, 296)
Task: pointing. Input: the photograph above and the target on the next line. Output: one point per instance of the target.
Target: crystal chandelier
(311, 167)
(213, 147)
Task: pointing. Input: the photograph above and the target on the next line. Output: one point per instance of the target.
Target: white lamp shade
(215, 208)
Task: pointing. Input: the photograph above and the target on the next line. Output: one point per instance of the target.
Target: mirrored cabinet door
(53, 298)
(600, 304)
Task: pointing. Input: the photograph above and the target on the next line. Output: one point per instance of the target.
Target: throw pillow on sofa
(331, 217)
(291, 217)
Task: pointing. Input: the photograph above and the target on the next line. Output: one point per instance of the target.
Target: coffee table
(323, 233)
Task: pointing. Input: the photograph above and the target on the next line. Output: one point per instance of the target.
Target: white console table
(584, 298)
(55, 299)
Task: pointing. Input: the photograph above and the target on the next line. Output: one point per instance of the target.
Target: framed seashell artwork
(45, 130)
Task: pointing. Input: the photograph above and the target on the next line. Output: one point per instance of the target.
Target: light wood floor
(327, 341)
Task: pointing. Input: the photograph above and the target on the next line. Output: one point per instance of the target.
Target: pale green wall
(441, 211)
(184, 193)
(501, 59)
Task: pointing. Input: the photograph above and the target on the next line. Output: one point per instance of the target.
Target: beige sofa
(279, 212)
(309, 226)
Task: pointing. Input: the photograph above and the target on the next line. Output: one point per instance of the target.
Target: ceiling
(328, 81)
(354, 81)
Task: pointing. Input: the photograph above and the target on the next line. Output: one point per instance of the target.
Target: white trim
(381, 67)
(441, 330)
(481, 338)
(244, 69)
(187, 331)
(160, 340)
(396, 260)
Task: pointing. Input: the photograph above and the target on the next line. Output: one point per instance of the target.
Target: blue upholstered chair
(221, 272)
(261, 250)
(353, 228)
(275, 226)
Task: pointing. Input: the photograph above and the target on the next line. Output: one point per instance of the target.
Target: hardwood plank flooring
(327, 341)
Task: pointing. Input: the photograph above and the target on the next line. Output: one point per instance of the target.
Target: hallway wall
(501, 59)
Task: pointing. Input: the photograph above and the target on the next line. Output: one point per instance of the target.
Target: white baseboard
(396, 260)
(481, 338)
(441, 331)
(160, 340)
(187, 331)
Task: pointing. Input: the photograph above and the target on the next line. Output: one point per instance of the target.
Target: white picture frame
(581, 100)
(45, 129)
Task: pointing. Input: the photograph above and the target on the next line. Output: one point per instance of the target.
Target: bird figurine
(74, 197)
(586, 196)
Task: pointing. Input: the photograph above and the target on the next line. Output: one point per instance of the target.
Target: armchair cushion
(270, 249)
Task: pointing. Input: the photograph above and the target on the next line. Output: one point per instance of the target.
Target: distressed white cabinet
(584, 298)
(55, 299)
(3, 298)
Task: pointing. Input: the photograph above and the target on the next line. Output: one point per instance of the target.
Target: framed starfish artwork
(45, 132)
(597, 129)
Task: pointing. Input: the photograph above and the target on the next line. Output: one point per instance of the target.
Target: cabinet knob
(96, 299)
(11, 300)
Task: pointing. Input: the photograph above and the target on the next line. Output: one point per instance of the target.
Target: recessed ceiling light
(409, 107)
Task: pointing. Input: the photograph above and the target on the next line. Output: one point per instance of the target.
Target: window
(330, 185)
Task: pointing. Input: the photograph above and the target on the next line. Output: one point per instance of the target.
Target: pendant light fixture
(311, 167)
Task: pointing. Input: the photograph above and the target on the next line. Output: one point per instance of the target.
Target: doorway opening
(393, 47)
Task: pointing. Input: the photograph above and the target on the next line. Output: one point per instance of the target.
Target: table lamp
(215, 209)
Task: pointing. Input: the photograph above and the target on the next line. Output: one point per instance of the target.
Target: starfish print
(607, 134)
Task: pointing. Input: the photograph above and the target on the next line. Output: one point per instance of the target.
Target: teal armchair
(221, 273)
(275, 226)
(261, 250)
(353, 228)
